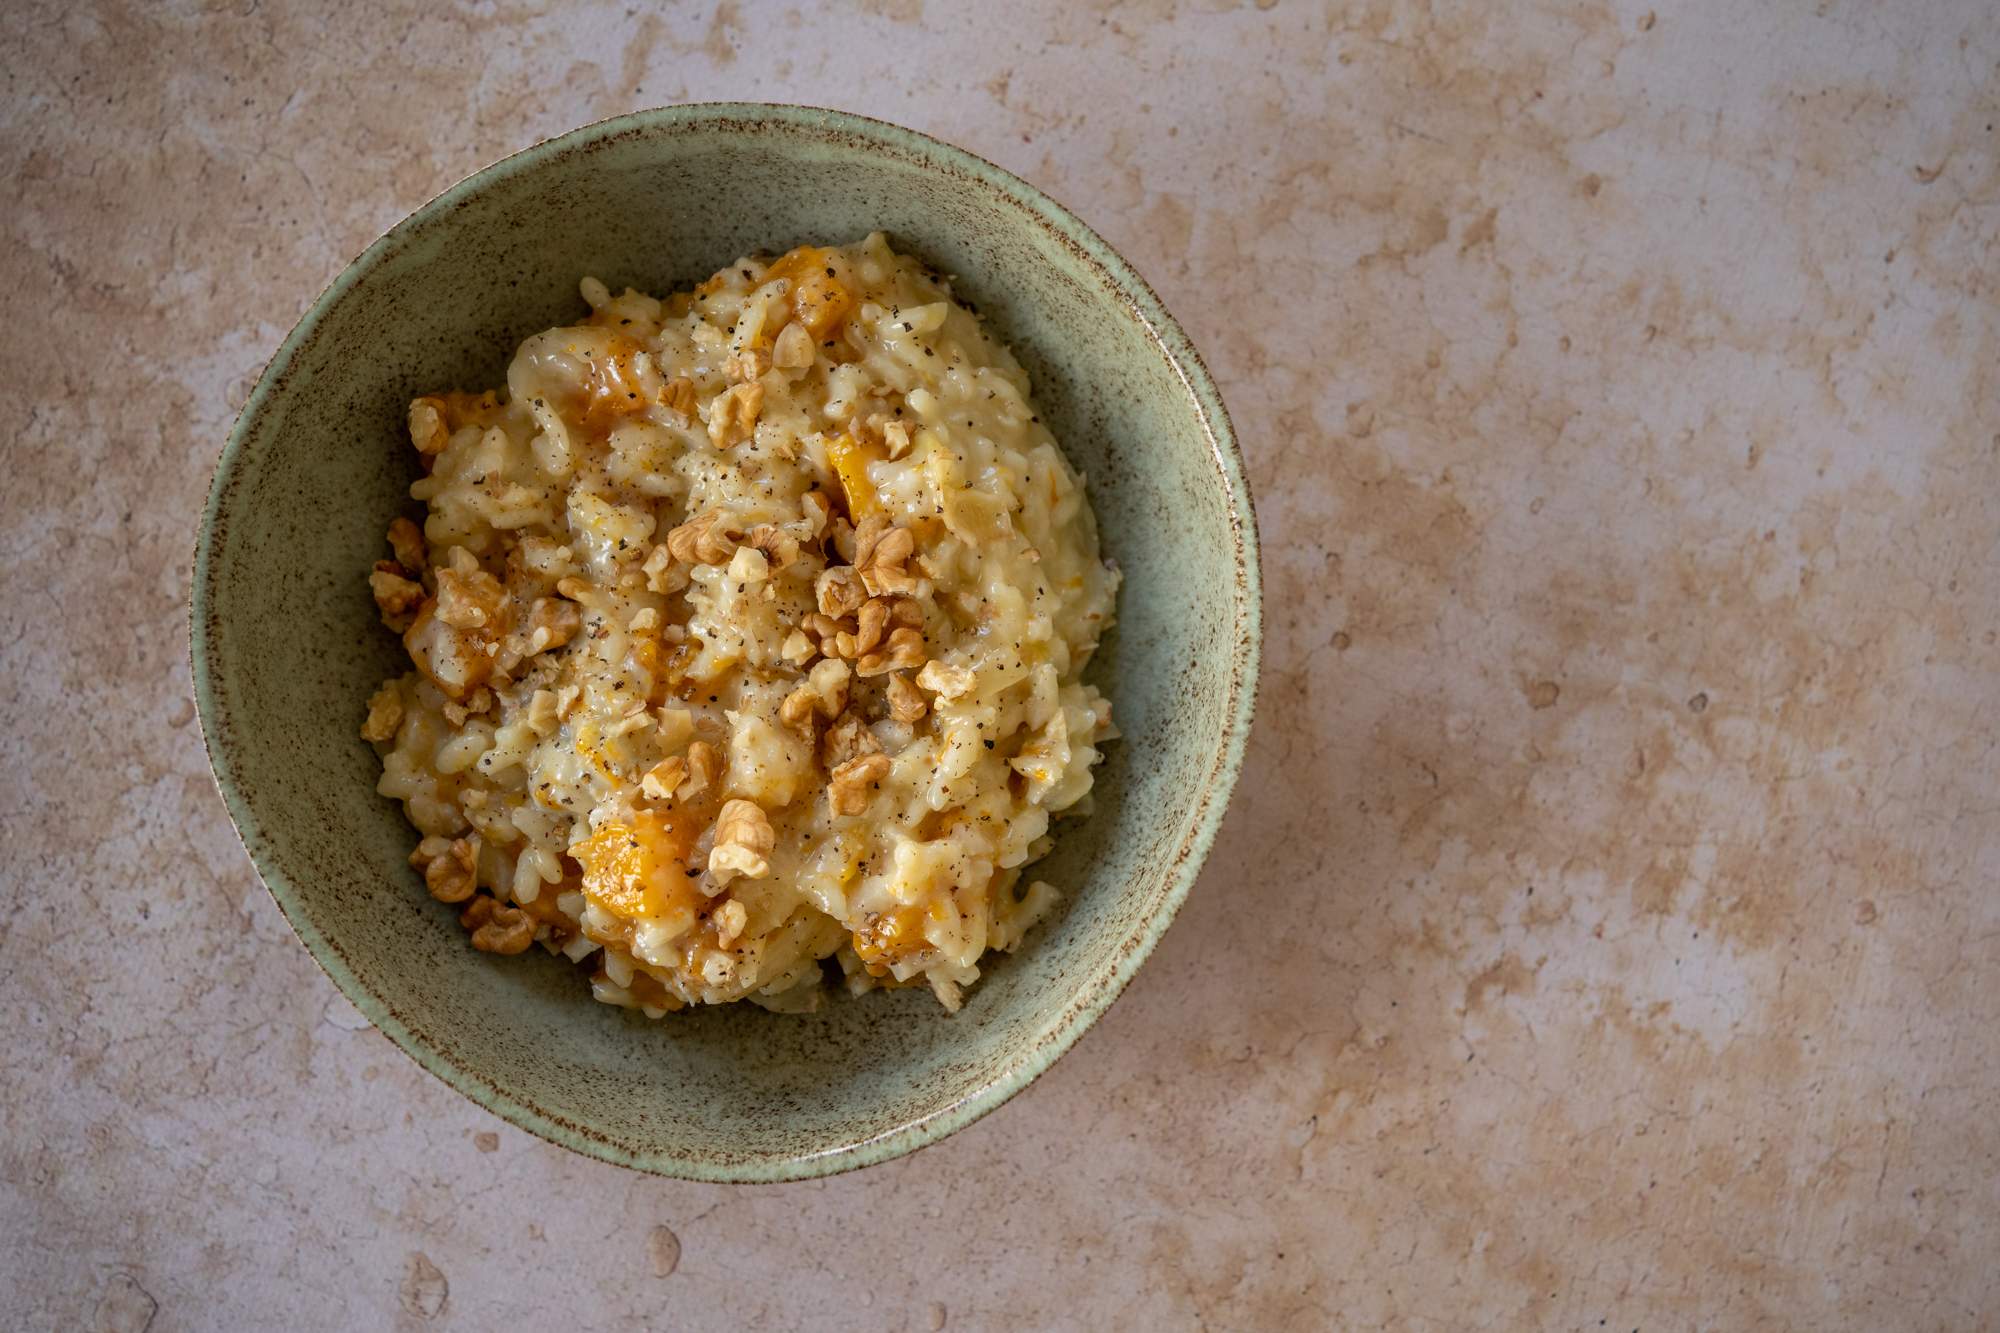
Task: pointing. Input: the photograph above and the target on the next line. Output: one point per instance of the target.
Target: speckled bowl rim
(1082, 1008)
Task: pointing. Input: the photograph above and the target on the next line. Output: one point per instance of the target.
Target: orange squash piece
(641, 869)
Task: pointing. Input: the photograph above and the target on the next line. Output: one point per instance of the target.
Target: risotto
(748, 630)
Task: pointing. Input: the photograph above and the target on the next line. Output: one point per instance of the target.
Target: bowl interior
(287, 644)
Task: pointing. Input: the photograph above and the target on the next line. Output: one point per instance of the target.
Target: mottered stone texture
(1604, 933)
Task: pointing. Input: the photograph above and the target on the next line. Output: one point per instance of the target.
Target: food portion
(747, 629)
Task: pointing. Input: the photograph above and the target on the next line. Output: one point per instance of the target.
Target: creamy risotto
(748, 630)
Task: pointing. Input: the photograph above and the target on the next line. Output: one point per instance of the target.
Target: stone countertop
(1604, 934)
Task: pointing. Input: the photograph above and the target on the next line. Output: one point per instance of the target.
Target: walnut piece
(829, 680)
(780, 548)
(797, 710)
(449, 867)
(703, 766)
(406, 539)
(663, 572)
(906, 649)
(867, 533)
(702, 540)
(397, 595)
(427, 428)
(883, 570)
(496, 927)
(798, 649)
(847, 790)
(730, 918)
(946, 681)
(747, 363)
(830, 632)
(817, 510)
(794, 348)
(456, 713)
(846, 740)
(385, 714)
(896, 435)
(869, 623)
(906, 701)
(743, 841)
(542, 713)
(677, 396)
(552, 622)
(469, 599)
(839, 591)
(664, 777)
(732, 414)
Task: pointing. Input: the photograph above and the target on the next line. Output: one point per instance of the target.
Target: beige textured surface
(1605, 931)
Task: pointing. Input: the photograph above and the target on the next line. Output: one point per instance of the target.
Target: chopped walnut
(676, 729)
(468, 600)
(743, 841)
(406, 539)
(794, 348)
(780, 548)
(829, 680)
(496, 927)
(427, 425)
(730, 918)
(846, 740)
(732, 414)
(660, 782)
(663, 572)
(747, 363)
(906, 649)
(798, 649)
(797, 710)
(703, 540)
(450, 868)
(385, 714)
(896, 546)
(817, 509)
(542, 713)
(870, 622)
(896, 435)
(883, 570)
(552, 622)
(906, 701)
(946, 681)
(839, 591)
(829, 632)
(704, 765)
(847, 789)
(456, 713)
(678, 397)
(867, 533)
(841, 534)
(397, 596)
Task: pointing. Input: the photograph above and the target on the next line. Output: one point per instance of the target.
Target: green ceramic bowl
(287, 647)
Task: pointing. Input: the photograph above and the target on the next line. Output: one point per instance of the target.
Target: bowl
(287, 646)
